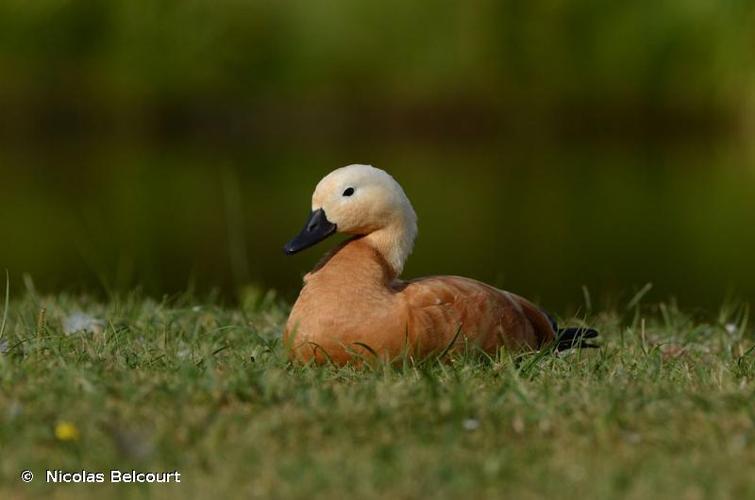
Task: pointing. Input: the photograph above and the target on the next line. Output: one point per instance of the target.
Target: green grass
(665, 409)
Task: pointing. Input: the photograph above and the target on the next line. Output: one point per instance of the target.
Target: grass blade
(450, 344)
(639, 295)
(7, 302)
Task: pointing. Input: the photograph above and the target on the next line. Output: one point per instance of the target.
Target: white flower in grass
(471, 424)
(632, 437)
(133, 443)
(14, 410)
(82, 322)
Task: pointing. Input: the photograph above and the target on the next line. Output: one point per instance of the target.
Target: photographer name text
(113, 476)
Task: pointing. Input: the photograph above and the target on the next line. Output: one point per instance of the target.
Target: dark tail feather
(571, 338)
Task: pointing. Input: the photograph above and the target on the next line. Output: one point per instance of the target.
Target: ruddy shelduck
(353, 305)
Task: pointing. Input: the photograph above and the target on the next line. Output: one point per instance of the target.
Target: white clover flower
(471, 424)
(82, 322)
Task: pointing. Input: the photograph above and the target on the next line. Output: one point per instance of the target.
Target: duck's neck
(376, 257)
(395, 242)
(353, 263)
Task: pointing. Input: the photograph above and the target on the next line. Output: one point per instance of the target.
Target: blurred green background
(546, 145)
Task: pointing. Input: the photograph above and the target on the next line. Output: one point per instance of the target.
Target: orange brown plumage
(352, 300)
(353, 304)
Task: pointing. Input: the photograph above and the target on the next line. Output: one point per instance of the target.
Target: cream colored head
(364, 200)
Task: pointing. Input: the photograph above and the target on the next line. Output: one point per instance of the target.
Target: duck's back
(439, 307)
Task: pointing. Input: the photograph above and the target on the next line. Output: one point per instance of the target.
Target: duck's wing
(440, 307)
(545, 329)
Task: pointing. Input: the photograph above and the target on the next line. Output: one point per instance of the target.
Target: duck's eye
(348, 192)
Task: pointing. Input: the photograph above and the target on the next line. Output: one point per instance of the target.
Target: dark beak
(317, 228)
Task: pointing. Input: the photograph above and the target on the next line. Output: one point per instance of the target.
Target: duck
(353, 306)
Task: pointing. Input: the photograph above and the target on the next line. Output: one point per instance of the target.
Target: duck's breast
(342, 320)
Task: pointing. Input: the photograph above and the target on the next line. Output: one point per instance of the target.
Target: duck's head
(361, 200)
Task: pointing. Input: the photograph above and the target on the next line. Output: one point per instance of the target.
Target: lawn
(666, 409)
